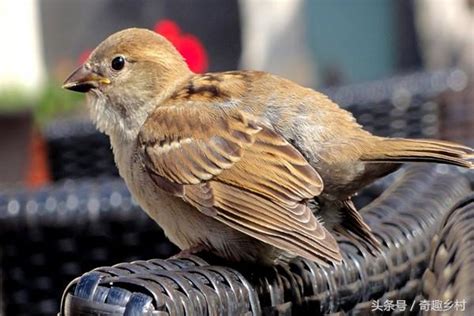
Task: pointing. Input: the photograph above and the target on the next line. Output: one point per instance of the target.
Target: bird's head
(126, 76)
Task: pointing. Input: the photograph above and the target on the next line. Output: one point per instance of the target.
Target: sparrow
(246, 165)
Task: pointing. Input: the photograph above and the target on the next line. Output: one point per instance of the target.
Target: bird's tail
(399, 150)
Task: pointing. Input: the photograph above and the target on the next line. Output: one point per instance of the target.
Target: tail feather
(420, 150)
(342, 217)
(353, 226)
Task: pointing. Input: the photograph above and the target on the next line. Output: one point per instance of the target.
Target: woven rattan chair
(449, 278)
(404, 218)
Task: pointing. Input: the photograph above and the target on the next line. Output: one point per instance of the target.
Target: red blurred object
(83, 56)
(188, 45)
(37, 172)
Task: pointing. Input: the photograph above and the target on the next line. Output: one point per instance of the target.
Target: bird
(245, 165)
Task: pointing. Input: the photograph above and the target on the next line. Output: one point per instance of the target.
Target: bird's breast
(184, 225)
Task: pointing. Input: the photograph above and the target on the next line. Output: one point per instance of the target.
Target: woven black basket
(404, 218)
(77, 150)
(448, 283)
(402, 106)
(49, 236)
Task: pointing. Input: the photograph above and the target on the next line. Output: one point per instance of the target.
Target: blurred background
(404, 68)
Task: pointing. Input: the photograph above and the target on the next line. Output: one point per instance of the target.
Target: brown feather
(419, 150)
(352, 225)
(256, 144)
(269, 222)
(185, 147)
(240, 172)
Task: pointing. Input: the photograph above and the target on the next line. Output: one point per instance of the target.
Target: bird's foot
(188, 252)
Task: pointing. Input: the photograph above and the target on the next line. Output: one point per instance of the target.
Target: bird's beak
(84, 79)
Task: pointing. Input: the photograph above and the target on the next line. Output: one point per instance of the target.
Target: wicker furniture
(404, 218)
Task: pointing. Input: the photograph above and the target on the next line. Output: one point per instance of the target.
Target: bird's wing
(231, 167)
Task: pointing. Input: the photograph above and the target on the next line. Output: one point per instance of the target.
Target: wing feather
(239, 171)
(307, 238)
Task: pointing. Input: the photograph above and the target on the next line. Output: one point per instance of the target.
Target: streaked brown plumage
(231, 162)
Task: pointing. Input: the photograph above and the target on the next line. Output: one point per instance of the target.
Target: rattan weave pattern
(404, 218)
(449, 278)
(51, 235)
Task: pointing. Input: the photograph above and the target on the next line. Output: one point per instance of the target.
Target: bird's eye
(118, 63)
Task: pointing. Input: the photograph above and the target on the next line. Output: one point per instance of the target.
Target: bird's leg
(189, 251)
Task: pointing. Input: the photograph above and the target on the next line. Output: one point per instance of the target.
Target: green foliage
(50, 102)
(14, 99)
(53, 101)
